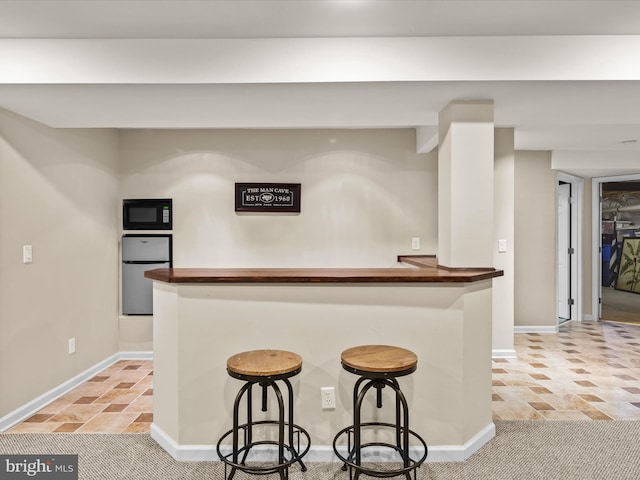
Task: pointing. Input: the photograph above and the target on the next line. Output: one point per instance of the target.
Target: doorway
(570, 191)
(616, 217)
(564, 252)
(620, 244)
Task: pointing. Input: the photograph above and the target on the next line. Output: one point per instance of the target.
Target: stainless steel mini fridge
(139, 254)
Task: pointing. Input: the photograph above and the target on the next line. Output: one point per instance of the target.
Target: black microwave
(147, 214)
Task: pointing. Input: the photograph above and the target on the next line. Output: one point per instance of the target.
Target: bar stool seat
(378, 367)
(264, 363)
(264, 367)
(379, 360)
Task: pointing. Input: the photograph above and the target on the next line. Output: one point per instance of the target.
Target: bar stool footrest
(349, 460)
(265, 467)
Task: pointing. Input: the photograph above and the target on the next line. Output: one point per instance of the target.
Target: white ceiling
(589, 112)
(314, 18)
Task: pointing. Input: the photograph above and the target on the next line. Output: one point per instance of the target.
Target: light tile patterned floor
(588, 371)
(118, 400)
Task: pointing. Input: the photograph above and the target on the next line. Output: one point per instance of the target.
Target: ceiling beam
(312, 60)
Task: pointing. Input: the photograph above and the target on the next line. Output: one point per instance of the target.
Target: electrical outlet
(415, 243)
(328, 395)
(502, 246)
(72, 345)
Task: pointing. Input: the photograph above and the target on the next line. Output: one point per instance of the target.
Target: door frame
(596, 238)
(577, 222)
(565, 242)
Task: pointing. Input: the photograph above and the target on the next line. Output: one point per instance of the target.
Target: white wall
(535, 240)
(58, 193)
(503, 224)
(365, 193)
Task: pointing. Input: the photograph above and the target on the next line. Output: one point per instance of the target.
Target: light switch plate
(502, 246)
(27, 254)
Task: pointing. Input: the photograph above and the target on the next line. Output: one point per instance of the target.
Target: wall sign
(267, 197)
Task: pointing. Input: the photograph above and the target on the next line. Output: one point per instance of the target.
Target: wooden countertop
(428, 272)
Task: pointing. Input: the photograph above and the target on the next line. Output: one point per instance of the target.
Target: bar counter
(204, 316)
(428, 271)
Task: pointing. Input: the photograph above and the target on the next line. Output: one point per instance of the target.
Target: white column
(465, 185)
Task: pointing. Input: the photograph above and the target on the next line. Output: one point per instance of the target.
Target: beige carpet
(521, 451)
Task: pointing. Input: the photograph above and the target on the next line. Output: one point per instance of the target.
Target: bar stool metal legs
(293, 442)
(372, 378)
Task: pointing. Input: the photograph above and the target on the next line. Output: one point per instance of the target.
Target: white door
(564, 255)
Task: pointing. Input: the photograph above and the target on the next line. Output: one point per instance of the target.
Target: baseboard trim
(476, 442)
(323, 453)
(588, 318)
(535, 329)
(504, 353)
(183, 453)
(28, 409)
(135, 355)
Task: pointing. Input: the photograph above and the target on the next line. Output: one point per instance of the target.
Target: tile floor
(588, 371)
(118, 400)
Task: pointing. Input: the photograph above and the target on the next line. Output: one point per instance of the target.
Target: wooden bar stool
(265, 368)
(378, 367)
